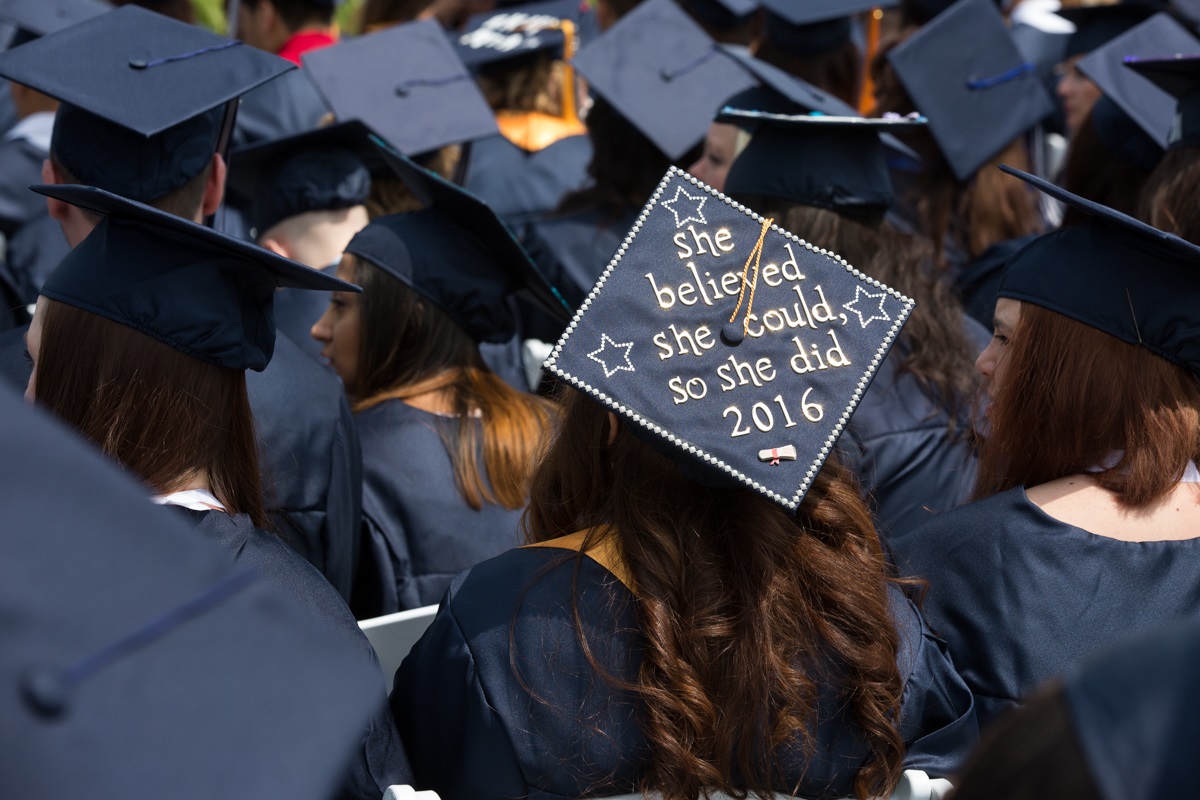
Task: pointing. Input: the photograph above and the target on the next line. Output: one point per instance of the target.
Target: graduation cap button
(44, 691)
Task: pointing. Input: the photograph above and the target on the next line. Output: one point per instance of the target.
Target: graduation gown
(1022, 598)
(474, 730)
(419, 530)
(381, 760)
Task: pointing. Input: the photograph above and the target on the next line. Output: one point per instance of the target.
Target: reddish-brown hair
(741, 605)
(1071, 395)
(162, 415)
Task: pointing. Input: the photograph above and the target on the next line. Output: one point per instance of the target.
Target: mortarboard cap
(837, 163)
(1150, 107)
(698, 272)
(1097, 25)
(143, 96)
(208, 295)
(1115, 274)
(1123, 137)
(921, 12)
(663, 73)
(721, 14)
(977, 98)
(1179, 77)
(40, 17)
(815, 26)
(319, 170)
(457, 253)
(510, 33)
(407, 83)
(136, 655)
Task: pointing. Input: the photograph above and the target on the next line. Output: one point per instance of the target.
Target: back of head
(300, 14)
(1109, 161)
(1169, 201)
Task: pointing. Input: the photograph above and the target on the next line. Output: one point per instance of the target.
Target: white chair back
(406, 792)
(393, 635)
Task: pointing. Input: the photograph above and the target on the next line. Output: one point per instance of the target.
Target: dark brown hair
(377, 14)
(298, 14)
(1070, 395)
(390, 195)
(839, 72)
(1170, 201)
(742, 606)
(1096, 173)
(185, 201)
(409, 346)
(161, 414)
(526, 85)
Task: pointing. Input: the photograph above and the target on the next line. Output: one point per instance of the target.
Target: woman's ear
(614, 427)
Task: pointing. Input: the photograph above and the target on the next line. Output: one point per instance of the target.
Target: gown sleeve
(458, 745)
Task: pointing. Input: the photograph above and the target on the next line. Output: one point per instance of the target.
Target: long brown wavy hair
(408, 347)
(1070, 395)
(1169, 199)
(741, 605)
(162, 415)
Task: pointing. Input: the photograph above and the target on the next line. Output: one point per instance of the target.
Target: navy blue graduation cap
(1150, 107)
(136, 655)
(1113, 273)
(319, 170)
(813, 27)
(1097, 25)
(35, 18)
(510, 33)
(458, 254)
(407, 83)
(721, 14)
(923, 11)
(729, 343)
(143, 96)
(1179, 77)
(208, 295)
(978, 98)
(663, 73)
(837, 163)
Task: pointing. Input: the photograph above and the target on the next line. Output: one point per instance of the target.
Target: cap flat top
(139, 69)
(1152, 108)
(807, 12)
(407, 83)
(48, 16)
(978, 98)
(800, 121)
(650, 343)
(663, 73)
(1177, 75)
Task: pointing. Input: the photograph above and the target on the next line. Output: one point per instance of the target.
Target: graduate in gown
(705, 604)
(140, 342)
(1088, 529)
(447, 444)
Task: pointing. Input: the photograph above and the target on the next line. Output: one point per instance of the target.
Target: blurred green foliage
(211, 14)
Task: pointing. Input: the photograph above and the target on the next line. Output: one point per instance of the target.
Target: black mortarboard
(143, 96)
(40, 17)
(697, 272)
(922, 12)
(1115, 274)
(836, 163)
(1179, 77)
(208, 295)
(721, 14)
(1123, 137)
(1097, 25)
(137, 659)
(1150, 107)
(509, 33)
(457, 253)
(407, 83)
(978, 98)
(663, 73)
(813, 27)
(319, 170)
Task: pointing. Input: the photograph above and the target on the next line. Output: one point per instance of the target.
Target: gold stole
(605, 552)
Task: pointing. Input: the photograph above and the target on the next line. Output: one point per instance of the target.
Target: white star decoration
(875, 314)
(606, 343)
(686, 214)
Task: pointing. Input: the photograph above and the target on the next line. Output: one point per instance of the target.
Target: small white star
(686, 214)
(605, 343)
(880, 314)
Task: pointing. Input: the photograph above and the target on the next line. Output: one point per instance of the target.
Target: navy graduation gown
(381, 760)
(1022, 598)
(419, 530)
(34, 251)
(20, 168)
(474, 730)
(520, 185)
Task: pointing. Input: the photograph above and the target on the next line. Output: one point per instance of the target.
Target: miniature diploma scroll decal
(777, 454)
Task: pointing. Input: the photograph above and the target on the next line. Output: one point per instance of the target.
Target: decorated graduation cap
(407, 83)
(456, 253)
(510, 33)
(814, 27)
(35, 18)
(732, 345)
(1179, 77)
(1115, 274)
(319, 170)
(977, 98)
(663, 73)
(143, 96)
(1097, 25)
(1152, 108)
(208, 295)
(135, 655)
(837, 163)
